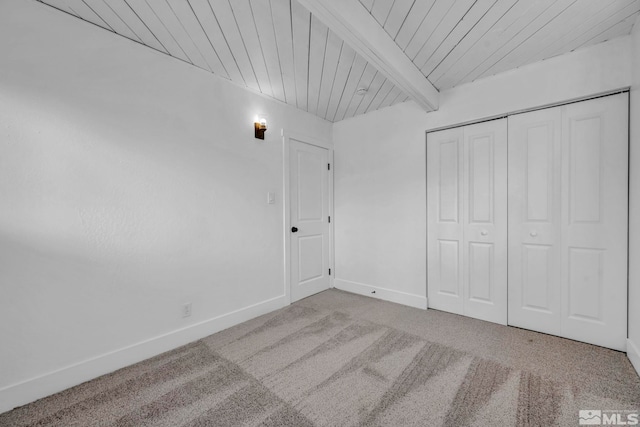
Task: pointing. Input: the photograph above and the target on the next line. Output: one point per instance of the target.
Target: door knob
(533, 234)
(294, 229)
(484, 232)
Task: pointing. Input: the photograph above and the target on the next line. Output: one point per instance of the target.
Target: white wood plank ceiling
(455, 42)
(278, 48)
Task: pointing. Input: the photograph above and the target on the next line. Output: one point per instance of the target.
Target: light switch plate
(271, 197)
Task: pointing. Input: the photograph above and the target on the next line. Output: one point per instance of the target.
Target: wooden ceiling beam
(350, 20)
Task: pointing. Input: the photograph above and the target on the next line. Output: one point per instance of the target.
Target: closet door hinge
(328, 166)
(329, 219)
(329, 272)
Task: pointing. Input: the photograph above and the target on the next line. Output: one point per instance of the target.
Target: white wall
(130, 184)
(633, 345)
(380, 205)
(596, 69)
(380, 174)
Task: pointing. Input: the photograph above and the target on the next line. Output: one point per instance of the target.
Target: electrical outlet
(186, 310)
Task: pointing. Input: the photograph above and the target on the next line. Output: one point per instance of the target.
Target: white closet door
(444, 220)
(534, 220)
(467, 220)
(594, 221)
(485, 221)
(568, 204)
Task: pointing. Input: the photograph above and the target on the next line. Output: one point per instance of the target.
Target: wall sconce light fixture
(260, 126)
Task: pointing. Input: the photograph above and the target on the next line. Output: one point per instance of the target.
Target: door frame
(286, 205)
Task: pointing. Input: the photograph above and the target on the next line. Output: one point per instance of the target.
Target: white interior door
(310, 231)
(594, 217)
(485, 221)
(467, 220)
(568, 207)
(535, 153)
(444, 220)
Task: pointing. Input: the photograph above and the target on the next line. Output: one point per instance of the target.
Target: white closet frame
(563, 317)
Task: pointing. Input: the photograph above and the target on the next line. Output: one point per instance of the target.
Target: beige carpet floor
(338, 359)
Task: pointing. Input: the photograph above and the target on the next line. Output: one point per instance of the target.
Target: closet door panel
(564, 235)
(485, 221)
(594, 218)
(534, 220)
(444, 220)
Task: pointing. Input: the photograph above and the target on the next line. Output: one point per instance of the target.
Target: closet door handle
(533, 234)
(484, 232)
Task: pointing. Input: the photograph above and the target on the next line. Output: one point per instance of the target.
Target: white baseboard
(36, 388)
(633, 353)
(404, 298)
